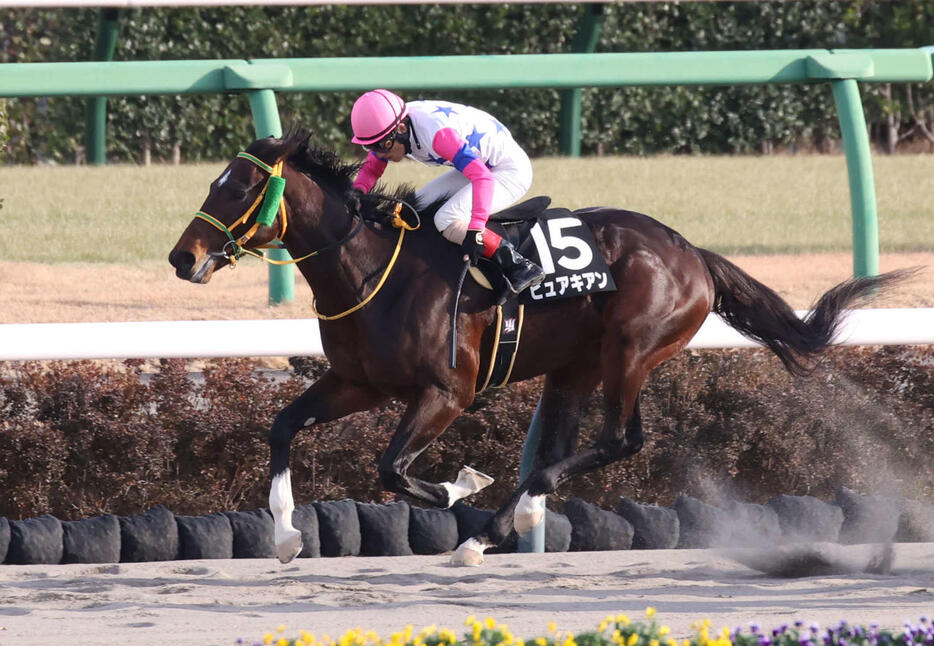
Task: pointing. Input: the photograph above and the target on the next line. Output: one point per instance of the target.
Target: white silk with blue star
(486, 138)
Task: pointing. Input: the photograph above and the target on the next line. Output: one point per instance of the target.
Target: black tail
(757, 312)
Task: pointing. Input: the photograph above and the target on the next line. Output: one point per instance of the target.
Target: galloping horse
(385, 324)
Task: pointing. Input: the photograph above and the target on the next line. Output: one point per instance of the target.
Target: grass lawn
(774, 204)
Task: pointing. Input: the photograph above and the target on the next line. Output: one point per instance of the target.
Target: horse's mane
(336, 177)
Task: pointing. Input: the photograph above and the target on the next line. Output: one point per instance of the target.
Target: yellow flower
(300, 642)
(307, 637)
(490, 623)
(650, 612)
(654, 642)
(622, 619)
(541, 641)
(672, 642)
(477, 629)
(633, 640)
(664, 630)
(282, 641)
(469, 621)
(552, 627)
(267, 638)
(520, 642)
(281, 628)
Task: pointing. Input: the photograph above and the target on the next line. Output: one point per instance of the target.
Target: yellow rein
(398, 223)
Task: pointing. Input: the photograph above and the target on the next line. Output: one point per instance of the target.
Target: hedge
(79, 439)
(614, 121)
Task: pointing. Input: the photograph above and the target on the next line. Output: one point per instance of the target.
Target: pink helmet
(375, 115)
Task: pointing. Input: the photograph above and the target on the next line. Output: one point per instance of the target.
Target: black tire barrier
(805, 519)
(866, 519)
(149, 536)
(305, 520)
(348, 528)
(384, 529)
(253, 534)
(594, 529)
(35, 541)
(4, 538)
(752, 525)
(91, 540)
(915, 524)
(432, 531)
(654, 527)
(205, 537)
(338, 528)
(701, 525)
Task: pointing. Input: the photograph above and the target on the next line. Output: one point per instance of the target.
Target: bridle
(272, 206)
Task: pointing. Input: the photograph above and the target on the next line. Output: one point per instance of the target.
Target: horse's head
(244, 209)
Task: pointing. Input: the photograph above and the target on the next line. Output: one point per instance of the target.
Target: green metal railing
(260, 78)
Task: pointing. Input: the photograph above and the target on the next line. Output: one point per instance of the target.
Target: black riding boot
(520, 272)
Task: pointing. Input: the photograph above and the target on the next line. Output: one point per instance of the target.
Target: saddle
(513, 223)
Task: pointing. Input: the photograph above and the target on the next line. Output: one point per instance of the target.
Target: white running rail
(300, 337)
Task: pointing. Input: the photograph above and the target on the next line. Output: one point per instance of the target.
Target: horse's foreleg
(425, 418)
(329, 398)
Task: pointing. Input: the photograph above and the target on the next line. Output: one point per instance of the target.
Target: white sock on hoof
(529, 513)
(469, 553)
(288, 539)
(469, 481)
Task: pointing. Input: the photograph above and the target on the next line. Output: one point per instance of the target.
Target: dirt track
(35, 293)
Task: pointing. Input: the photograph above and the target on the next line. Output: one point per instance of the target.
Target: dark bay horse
(397, 344)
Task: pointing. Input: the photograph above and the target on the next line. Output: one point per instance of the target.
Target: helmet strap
(403, 137)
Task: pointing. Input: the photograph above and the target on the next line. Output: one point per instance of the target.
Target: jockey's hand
(472, 246)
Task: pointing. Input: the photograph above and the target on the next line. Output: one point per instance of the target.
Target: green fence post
(267, 124)
(533, 541)
(95, 129)
(569, 117)
(859, 169)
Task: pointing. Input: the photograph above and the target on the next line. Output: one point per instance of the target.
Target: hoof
(465, 555)
(530, 512)
(289, 548)
(472, 479)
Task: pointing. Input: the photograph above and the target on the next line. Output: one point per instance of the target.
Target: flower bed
(619, 630)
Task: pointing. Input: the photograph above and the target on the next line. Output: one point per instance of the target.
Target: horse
(384, 306)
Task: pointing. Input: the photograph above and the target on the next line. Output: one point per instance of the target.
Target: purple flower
(754, 628)
(814, 626)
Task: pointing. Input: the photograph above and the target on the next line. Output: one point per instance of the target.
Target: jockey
(490, 171)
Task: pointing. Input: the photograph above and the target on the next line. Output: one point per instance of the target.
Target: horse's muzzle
(183, 261)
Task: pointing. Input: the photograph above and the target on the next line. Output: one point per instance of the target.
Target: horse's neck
(345, 265)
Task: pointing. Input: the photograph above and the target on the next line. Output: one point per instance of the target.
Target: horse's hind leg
(563, 399)
(329, 398)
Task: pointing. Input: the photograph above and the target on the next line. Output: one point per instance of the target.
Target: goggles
(382, 146)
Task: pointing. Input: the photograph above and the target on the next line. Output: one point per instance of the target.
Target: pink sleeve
(454, 148)
(447, 142)
(482, 180)
(370, 173)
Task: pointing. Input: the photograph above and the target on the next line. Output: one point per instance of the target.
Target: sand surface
(37, 293)
(217, 602)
